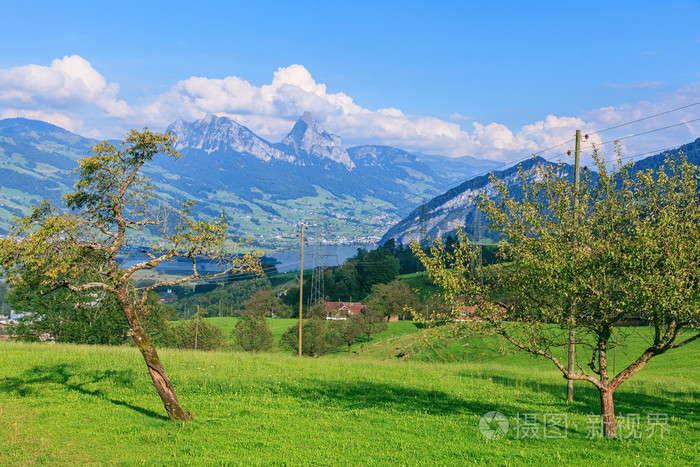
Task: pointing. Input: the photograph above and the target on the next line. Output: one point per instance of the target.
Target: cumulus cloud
(59, 119)
(70, 88)
(67, 82)
(271, 109)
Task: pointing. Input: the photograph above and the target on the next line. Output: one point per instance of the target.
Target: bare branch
(562, 368)
(88, 285)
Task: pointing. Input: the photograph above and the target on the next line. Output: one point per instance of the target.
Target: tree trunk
(607, 409)
(160, 378)
(572, 363)
(155, 368)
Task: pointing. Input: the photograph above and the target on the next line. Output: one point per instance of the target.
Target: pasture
(68, 404)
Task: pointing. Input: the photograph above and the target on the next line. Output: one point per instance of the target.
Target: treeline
(354, 280)
(221, 300)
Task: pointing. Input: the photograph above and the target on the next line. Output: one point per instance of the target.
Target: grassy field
(66, 404)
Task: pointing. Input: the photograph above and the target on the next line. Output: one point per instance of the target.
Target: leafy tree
(80, 318)
(197, 333)
(393, 299)
(318, 338)
(624, 246)
(156, 319)
(370, 321)
(376, 267)
(348, 330)
(253, 334)
(111, 202)
(264, 303)
(3, 294)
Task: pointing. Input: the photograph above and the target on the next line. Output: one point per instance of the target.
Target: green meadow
(69, 404)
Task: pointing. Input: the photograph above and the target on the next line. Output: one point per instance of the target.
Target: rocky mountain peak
(213, 133)
(309, 138)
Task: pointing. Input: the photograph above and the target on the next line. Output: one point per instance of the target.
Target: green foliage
(319, 337)
(393, 299)
(348, 330)
(206, 335)
(264, 303)
(252, 334)
(625, 247)
(370, 322)
(376, 267)
(230, 298)
(156, 319)
(85, 318)
(3, 293)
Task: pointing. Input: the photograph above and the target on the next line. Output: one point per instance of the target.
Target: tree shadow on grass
(587, 398)
(62, 374)
(382, 396)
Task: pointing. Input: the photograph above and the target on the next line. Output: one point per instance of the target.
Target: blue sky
(495, 80)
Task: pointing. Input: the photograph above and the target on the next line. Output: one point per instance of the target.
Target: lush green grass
(66, 404)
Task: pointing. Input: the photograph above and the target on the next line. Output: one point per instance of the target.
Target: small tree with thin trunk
(111, 205)
(629, 250)
(370, 321)
(348, 330)
(253, 334)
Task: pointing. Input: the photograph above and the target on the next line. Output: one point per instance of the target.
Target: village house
(342, 310)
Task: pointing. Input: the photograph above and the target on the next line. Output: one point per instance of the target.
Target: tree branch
(690, 339)
(88, 285)
(562, 368)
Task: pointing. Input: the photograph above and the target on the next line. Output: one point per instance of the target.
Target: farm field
(68, 404)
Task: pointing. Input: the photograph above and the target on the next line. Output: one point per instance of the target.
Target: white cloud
(70, 92)
(458, 116)
(66, 83)
(56, 118)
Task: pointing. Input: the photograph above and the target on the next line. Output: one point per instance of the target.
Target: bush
(209, 337)
(252, 334)
(318, 338)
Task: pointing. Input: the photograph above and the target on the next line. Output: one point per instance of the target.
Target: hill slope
(266, 189)
(456, 207)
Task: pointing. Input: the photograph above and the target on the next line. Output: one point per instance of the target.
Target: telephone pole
(301, 285)
(572, 328)
(196, 327)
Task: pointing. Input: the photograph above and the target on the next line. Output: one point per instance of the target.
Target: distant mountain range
(265, 188)
(455, 208)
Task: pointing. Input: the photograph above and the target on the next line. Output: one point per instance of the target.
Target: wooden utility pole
(572, 327)
(301, 285)
(196, 327)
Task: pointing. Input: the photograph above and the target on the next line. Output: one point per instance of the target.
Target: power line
(644, 118)
(401, 205)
